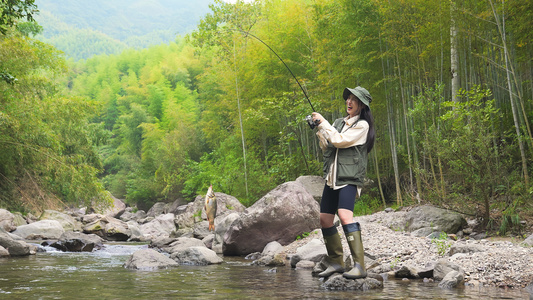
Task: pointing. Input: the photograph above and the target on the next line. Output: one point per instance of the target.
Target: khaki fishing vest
(351, 162)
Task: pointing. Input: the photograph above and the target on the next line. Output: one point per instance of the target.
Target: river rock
(67, 221)
(18, 219)
(313, 251)
(157, 209)
(109, 228)
(149, 259)
(181, 244)
(44, 229)
(136, 234)
(3, 252)
(528, 242)
(78, 242)
(6, 220)
(465, 248)
(437, 218)
(14, 247)
(314, 185)
(281, 215)
(198, 255)
(222, 224)
(443, 267)
(161, 226)
(337, 282)
(129, 215)
(452, 280)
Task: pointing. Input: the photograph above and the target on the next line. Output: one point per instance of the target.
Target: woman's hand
(316, 116)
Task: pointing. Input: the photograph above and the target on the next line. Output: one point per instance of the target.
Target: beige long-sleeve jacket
(349, 136)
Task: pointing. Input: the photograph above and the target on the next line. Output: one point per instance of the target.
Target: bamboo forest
(451, 83)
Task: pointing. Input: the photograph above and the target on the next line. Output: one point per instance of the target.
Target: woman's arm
(352, 137)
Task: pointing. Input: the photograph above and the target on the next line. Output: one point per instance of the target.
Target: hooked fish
(210, 207)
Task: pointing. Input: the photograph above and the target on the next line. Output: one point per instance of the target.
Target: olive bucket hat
(360, 93)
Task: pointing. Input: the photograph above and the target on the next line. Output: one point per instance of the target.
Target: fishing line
(249, 34)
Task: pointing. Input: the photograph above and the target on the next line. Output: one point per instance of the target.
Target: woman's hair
(366, 114)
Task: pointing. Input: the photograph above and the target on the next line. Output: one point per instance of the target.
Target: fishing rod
(305, 94)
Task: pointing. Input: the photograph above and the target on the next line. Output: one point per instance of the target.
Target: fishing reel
(312, 123)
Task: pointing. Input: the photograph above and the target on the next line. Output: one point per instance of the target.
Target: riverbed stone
(528, 242)
(67, 221)
(313, 184)
(44, 229)
(78, 242)
(313, 251)
(281, 215)
(3, 252)
(149, 259)
(109, 228)
(160, 226)
(452, 280)
(15, 247)
(338, 282)
(443, 267)
(6, 220)
(437, 218)
(198, 255)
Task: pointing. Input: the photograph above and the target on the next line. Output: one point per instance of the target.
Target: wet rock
(305, 264)
(337, 282)
(6, 220)
(443, 267)
(14, 247)
(109, 228)
(148, 259)
(313, 251)
(196, 256)
(3, 252)
(452, 280)
(78, 242)
(407, 272)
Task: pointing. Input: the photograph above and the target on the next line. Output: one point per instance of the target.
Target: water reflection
(100, 274)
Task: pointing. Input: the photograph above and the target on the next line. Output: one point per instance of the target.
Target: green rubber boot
(335, 259)
(353, 236)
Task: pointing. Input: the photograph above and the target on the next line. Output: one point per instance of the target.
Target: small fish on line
(211, 207)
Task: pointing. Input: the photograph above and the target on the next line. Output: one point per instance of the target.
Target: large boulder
(222, 224)
(161, 226)
(132, 215)
(108, 228)
(44, 229)
(14, 247)
(281, 215)
(67, 221)
(7, 220)
(78, 242)
(149, 259)
(313, 184)
(338, 282)
(197, 255)
(436, 218)
(114, 208)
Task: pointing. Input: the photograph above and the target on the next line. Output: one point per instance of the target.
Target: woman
(346, 145)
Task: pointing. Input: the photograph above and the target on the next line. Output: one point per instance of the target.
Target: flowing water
(101, 275)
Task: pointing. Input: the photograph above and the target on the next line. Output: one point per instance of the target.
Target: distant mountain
(82, 28)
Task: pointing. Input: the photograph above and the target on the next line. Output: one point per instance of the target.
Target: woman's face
(353, 106)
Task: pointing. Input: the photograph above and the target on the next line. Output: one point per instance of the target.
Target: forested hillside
(451, 82)
(85, 28)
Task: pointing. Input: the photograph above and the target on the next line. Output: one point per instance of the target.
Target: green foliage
(47, 146)
(13, 10)
(303, 235)
(441, 243)
(366, 204)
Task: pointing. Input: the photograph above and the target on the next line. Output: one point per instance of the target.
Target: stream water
(101, 275)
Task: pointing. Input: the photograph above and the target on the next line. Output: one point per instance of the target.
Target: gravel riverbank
(486, 262)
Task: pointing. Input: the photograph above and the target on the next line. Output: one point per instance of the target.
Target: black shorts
(332, 200)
